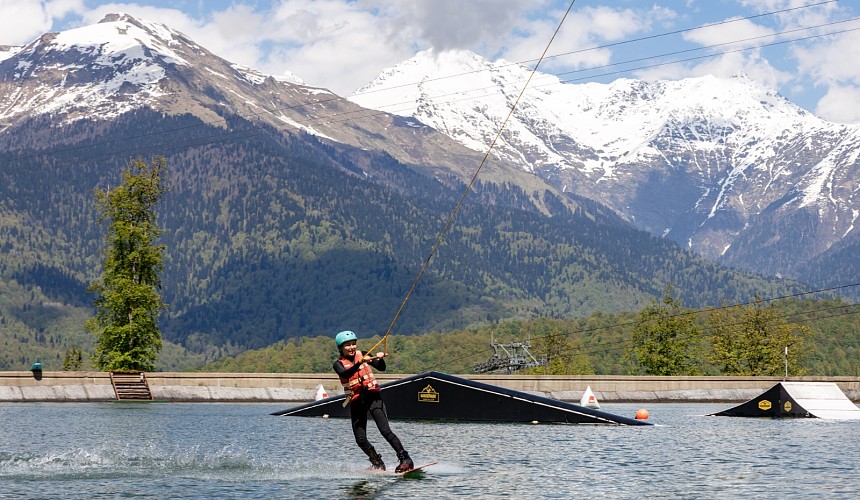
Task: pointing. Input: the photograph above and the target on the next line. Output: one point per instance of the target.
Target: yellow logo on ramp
(428, 395)
(787, 406)
(764, 405)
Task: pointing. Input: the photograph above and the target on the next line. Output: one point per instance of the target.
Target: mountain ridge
(704, 161)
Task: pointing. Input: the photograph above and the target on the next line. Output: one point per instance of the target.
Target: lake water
(168, 450)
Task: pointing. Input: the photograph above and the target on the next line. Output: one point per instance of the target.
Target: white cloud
(233, 34)
(330, 43)
(799, 13)
(832, 61)
(37, 14)
(834, 64)
(456, 24)
(729, 31)
(832, 106)
(725, 50)
(722, 66)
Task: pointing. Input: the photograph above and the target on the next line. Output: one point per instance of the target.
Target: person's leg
(358, 415)
(377, 411)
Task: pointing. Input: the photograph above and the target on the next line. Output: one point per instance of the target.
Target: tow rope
(384, 340)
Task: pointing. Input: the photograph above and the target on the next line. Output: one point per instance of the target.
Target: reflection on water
(91, 450)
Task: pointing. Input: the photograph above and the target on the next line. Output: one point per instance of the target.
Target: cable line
(706, 56)
(469, 186)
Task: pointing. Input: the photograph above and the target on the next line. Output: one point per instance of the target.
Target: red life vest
(362, 379)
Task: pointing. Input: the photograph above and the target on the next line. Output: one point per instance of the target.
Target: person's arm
(344, 372)
(378, 363)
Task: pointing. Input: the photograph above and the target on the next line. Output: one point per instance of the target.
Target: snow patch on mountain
(7, 51)
(112, 41)
(124, 63)
(469, 97)
(128, 54)
(257, 77)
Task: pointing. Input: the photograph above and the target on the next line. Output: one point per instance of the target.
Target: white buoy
(588, 400)
(321, 393)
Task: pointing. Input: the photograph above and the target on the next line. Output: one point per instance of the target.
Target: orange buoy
(642, 414)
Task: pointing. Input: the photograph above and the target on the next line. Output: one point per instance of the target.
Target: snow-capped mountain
(123, 63)
(107, 69)
(726, 167)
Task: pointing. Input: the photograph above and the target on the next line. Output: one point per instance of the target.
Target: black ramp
(774, 403)
(798, 400)
(438, 396)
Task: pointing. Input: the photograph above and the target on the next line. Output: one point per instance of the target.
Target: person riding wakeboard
(365, 398)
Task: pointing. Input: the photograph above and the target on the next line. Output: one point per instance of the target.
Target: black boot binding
(405, 462)
(375, 460)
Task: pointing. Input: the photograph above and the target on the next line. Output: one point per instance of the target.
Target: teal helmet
(344, 336)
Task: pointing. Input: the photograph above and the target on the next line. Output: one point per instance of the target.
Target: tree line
(822, 337)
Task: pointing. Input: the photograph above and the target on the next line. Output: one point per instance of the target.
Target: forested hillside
(598, 344)
(271, 236)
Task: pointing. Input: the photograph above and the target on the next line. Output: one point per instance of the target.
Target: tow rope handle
(384, 341)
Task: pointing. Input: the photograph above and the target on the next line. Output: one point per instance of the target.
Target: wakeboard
(416, 470)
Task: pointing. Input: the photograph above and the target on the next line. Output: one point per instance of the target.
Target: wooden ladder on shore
(130, 386)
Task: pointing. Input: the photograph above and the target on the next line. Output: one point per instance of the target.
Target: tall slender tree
(128, 301)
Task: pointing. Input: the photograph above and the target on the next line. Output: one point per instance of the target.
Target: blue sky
(344, 44)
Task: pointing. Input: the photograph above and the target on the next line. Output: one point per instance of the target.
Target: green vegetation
(755, 340)
(127, 300)
(666, 340)
(604, 343)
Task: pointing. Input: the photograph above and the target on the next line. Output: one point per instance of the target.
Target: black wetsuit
(368, 402)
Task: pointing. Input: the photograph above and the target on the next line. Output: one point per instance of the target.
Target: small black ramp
(798, 400)
(439, 396)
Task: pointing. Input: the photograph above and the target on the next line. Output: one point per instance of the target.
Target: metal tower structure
(509, 358)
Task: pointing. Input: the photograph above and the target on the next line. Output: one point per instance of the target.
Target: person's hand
(380, 355)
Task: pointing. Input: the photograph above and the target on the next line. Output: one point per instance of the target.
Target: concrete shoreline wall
(25, 386)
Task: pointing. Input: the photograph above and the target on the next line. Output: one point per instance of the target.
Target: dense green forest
(272, 237)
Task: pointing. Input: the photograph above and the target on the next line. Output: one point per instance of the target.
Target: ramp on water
(798, 400)
(438, 396)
